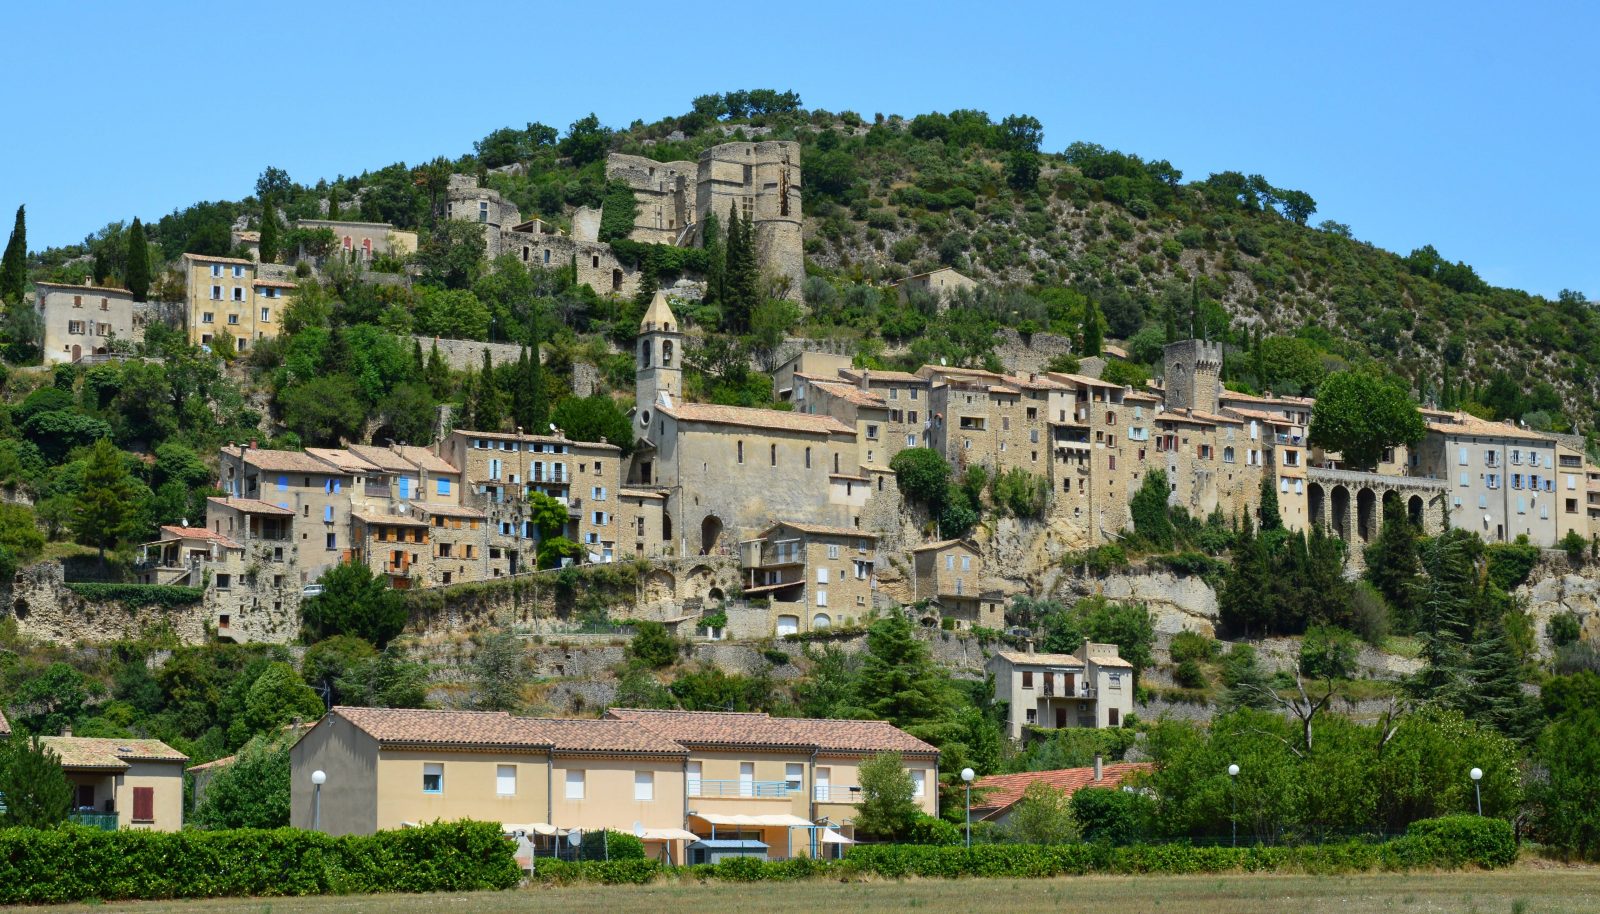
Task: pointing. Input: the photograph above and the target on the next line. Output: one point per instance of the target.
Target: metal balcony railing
(825, 793)
(699, 787)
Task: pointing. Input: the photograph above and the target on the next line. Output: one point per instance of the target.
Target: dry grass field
(1527, 889)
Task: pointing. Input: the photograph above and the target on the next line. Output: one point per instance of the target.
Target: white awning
(531, 828)
(776, 820)
(669, 834)
(829, 836)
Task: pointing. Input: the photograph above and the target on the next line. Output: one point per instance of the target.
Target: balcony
(105, 821)
(825, 793)
(767, 790)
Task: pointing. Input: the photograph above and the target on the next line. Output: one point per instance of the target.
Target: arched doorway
(1414, 510)
(710, 533)
(77, 352)
(820, 620)
(1366, 514)
(1340, 515)
(1317, 504)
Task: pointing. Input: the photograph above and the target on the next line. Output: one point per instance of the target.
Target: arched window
(666, 354)
(820, 620)
(347, 244)
(644, 353)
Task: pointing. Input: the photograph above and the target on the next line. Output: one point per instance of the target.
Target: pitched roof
(775, 419)
(1023, 658)
(821, 530)
(1000, 791)
(206, 258)
(958, 541)
(86, 288)
(109, 754)
(394, 520)
(425, 458)
(449, 510)
(251, 506)
(874, 374)
(274, 461)
(537, 439)
(605, 735)
(441, 728)
(844, 391)
(1471, 426)
(274, 284)
(383, 458)
(627, 492)
(223, 762)
(715, 728)
(344, 459)
(658, 315)
(173, 531)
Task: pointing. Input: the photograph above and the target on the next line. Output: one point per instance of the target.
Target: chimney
(253, 444)
(1099, 772)
(1027, 644)
(67, 731)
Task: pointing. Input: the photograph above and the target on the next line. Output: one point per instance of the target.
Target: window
(78, 327)
(808, 458)
(224, 581)
(443, 486)
(919, 783)
(740, 449)
(1462, 458)
(693, 777)
(644, 786)
(774, 454)
(822, 596)
(238, 272)
(483, 211)
(833, 552)
(216, 269)
(966, 563)
(505, 780)
(872, 432)
(266, 315)
(575, 785)
(747, 779)
(433, 777)
(238, 293)
(333, 541)
(793, 775)
(144, 804)
(216, 293)
(822, 574)
(1032, 716)
(1027, 679)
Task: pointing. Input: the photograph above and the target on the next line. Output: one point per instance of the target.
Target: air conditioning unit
(1083, 706)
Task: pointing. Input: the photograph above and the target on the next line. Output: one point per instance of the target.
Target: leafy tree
(652, 645)
(354, 601)
(452, 255)
(14, 264)
(1569, 751)
(618, 211)
(388, 680)
(1327, 652)
(274, 184)
(497, 670)
(36, 790)
(1114, 817)
(556, 548)
(1022, 170)
(922, 474)
(1127, 625)
(1042, 816)
(107, 510)
(1393, 558)
(252, 791)
(594, 418)
(279, 697)
(586, 141)
(1563, 629)
(1360, 414)
(888, 798)
(268, 245)
(323, 410)
(1151, 520)
(137, 278)
(329, 659)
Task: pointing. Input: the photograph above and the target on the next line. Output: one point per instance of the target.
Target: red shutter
(144, 804)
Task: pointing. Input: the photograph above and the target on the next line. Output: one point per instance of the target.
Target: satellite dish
(552, 426)
(575, 837)
(638, 830)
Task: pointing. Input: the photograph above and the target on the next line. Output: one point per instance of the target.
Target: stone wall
(464, 354)
(1556, 586)
(47, 611)
(1034, 353)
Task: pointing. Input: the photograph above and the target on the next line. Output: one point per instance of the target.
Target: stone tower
(761, 181)
(658, 371)
(1192, 371)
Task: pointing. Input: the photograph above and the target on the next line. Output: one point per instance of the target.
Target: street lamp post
(318, 778)
(1233, 793)
(967, 775)
(1477, 775)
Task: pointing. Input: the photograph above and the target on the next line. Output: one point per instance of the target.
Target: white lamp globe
(1233, 771)
(319, 777)
(967, 774)
(1476, 774)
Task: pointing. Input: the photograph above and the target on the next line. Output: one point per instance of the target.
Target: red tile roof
(272, 461)
(775, 419)
(759, 730)
(1000, 791)
(251, 506)
(442, 728)
(198, 533)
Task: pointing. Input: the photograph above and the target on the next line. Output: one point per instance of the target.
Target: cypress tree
(138, 269)
(333, 202)
(1172, 323)
(742, 280)
(1093, 333)
(1268, 513)
(519, 393)
(437, 373)
(469, 398)
(716, 259)
(488, 407)
(14, 265)
(418, 366)
(538, 397)
(269, 232)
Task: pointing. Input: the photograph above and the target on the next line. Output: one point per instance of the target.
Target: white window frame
(644, 786)
(435, 769)
(576, 781)
(505, 780)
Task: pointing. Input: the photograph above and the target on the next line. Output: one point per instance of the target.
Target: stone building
(814, 576)
(943, 282)
(224, 297)
(663, 192)
(949, 574)
(363, 241)
(85, 320)
(1500, 478)
(1091, 687)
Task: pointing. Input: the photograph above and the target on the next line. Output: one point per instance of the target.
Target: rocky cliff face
(1556, 587)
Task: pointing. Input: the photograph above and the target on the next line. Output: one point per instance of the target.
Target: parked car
(311, 590)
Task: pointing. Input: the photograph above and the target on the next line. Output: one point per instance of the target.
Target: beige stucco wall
(350, 797)
(469, 790)
(608, 800)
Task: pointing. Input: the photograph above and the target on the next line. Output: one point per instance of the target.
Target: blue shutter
(327, 513)
(405, 487)
(283, 483)
(444, 486)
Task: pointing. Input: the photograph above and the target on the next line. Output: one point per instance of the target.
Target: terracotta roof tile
(272, 461)
(274, 284)
(85, 288)
(1000, 791)
(1471, 426)
(448, 510)
(346, 460)
(426, 459)
(1022, 658)
(822, 530)
(711, 728)
(205, 258)
(172, 531)
(538, 439)
(383, 458)
(844, 391)
(603, 735)
(371, 518)
(442, 728)
(251, 506)
(110, 754)
(878, 375)
(944, 544)
(776, 419)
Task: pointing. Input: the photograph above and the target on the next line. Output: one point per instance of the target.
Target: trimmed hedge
(136, 595)
(73, 864)
(1453, 842)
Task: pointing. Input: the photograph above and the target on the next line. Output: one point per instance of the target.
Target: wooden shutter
(144, 804)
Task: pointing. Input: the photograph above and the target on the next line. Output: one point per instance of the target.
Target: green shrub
(137, 595)
(446, 857)
(1189, 675)
(611, 845)
(931, 830)
(1456, 841)
(1193, 646)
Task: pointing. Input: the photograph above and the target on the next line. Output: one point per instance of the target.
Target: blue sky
(1470, 126)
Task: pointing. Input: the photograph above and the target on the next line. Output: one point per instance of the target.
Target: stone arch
(710, 534)
(716, 595)
(1366, 514)
(697, 584)
(1339, 515)
(666, 354)
(788, 625)
(1414, 510)
(820, 620)
(659, 587)
(1317, 505)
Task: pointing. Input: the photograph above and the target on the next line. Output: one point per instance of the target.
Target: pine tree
(138, 269)
(37, 792)
(488, 406)
(1268, 514)
(716, 259)
(269, 232)
(742, 280)
(106, 511)
(1494, 695)
(1093, 332)
(437, 373)
(14, 265)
